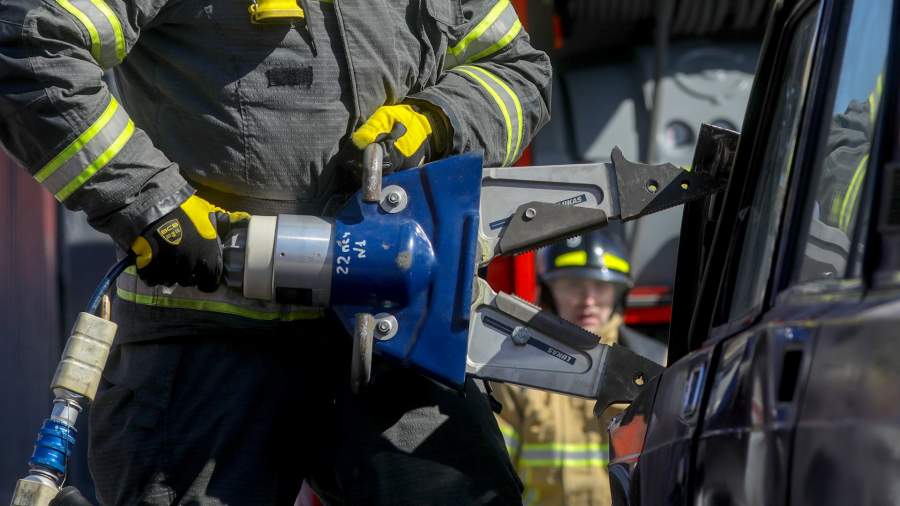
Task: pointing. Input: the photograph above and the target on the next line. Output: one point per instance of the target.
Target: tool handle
(373, 160)
(361, 361)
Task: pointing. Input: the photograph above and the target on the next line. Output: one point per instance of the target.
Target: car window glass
(841, 166)
(768, 201)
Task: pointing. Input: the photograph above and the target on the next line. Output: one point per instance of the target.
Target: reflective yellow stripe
(507, 430)
(567, 447)
(872, 107)
(495, 31)
(103, 27)
(510, 436)
(516, 103)
(564, 455)
(116, 27)
(616, 263)
(572, 259)
(97, 164)
(215, 307)
(500, 104)
(88, 153)
(874, 98)
(849, 201)
(480, 28)
(96, 45)
(500, 44)
(562, 462)
(76, 145)
(580, 259)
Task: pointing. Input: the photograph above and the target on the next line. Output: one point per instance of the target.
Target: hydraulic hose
(74, 384)
(106, 281)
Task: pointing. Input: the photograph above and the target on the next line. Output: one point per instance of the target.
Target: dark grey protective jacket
(199, 109)
(194, 74)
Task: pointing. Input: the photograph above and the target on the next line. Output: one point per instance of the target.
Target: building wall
(30, 326)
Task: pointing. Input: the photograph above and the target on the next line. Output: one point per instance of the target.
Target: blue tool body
(418, 264)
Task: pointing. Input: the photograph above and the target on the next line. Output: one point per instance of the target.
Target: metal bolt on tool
(530, 213)
(384, 326)
(520, 336)
(394, 199)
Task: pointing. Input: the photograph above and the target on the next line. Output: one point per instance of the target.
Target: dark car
(783, 384)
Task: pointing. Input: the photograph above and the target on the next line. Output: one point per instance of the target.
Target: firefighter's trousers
(243, 418)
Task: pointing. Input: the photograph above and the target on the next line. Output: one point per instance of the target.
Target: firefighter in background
(558, 446)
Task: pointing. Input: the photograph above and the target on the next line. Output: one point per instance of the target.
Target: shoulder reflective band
(564, 455)
(506, 101)
(88, 153)
(103, 27)
(494, 32)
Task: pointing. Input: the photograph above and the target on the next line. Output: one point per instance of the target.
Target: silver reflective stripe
(103, 27)
(494, 32)
(223, 301)
(507, 102)
(88, 153)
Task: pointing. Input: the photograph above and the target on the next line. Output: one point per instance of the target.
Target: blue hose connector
(53, 446)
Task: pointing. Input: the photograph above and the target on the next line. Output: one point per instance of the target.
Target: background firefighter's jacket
(212, 103)
(558, 446)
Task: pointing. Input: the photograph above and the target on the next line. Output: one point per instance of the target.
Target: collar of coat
(609, 331)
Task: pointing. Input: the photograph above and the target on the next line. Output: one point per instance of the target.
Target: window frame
(728, 298)
(702, 274)
(724, 324)
(881, 267)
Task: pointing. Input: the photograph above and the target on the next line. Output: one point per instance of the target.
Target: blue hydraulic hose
(107, 281)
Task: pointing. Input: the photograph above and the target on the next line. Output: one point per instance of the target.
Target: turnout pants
(243, 418)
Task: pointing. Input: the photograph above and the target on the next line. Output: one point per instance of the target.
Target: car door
(794, 287)
(661, 470)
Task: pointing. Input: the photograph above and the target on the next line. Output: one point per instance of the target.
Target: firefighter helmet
(600, 255)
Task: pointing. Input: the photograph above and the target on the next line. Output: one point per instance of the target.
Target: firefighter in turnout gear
(208, 397)
(557, 444)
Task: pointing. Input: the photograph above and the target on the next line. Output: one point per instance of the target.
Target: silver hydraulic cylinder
(285, 258)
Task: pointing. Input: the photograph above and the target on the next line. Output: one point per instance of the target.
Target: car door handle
(693, 390)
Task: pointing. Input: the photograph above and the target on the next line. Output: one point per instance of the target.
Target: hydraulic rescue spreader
(399, 266)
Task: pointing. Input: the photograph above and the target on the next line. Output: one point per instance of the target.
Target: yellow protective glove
(408, 134)
(184, 247)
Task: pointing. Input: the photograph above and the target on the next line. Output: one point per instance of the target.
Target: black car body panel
(847, 441)
(665, 462)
